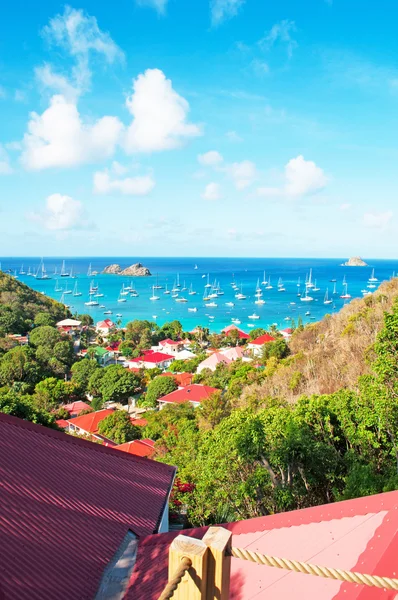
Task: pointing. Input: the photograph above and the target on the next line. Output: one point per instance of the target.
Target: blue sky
(201, 128)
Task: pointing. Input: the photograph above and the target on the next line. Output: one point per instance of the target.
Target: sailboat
(66, 291)
(21, 271)
(240, 295)
(178, 285)
(157, 286)
(122, 296)
(75, 290)
(62, 301)
(327, 300)
(29, 273)
(166, 291)
(309, 283)
(57, 287)
(98, 294)
(281, 287)
(154, 297)
(269, 286)
(334, 289)
(315, 288)
(191, 291)
(299, 282)
(372, 277)
(208, 284)
(306, 298)
(196, 267)
(64, 272)
(89, 271)
(264, 281)
(91, 302)
(41, 272)
(184, 287)
(345, 295)
(123, 291)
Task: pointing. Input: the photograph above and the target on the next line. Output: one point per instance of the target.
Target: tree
(50, 393)
(172, 330)
(82, 371)
(44, 319)
(158, 387)
(21, 405)
(85, 319)
(19, 365)
(213, 409)
(114, 384)
(135, 331)
(118, 428)
(44, 336)
(278, 349)
(257, 332)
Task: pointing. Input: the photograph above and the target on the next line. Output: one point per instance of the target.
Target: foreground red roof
(66, 505)
(357, 535)
(263, 339)
(137, 447)
(91, 421)
(189, 393)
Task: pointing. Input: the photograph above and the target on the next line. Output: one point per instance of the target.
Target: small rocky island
(137, 270)
(355, 261)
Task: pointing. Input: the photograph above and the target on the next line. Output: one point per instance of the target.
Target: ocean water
(279, 307)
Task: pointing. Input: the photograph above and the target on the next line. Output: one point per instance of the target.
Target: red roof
(358, 535)
(105, 324)
(137, 447)
(139, 422)
(169, 342)
(74, 408)
(181, 379)
(189, 393)
(263, 339)
(62, 423)
(242, 335)
(90, 422)
(152, 357)
(66, 501)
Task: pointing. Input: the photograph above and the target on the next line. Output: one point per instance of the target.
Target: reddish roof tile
(263, 339)
(90, 422)
(66, 501)
(242, 334)
(139, 422)
(74, 408)
(137, 447)
(189, 393)
(62, 423)
(169, 342)
(181, 379)
(152, 357)
(358, 535)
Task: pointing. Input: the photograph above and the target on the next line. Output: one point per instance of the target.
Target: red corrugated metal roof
(181, 379)
(189, 393)
(66, 504)
(91, 421)
(75, 407)
(263, 339)
(358, 535)
(152, 357)
(137, 447)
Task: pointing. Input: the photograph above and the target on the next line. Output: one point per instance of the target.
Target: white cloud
(243, 173)
(129, 186)
(210, 159)
(303, 177)
(212, 191)
(158, 5)
(78, 34)
(280, 32)
(159, 115)
(379, 220)
(118, 169)
(59, 138)
(233, 136)
(48, 78)
(61, 213)
(5, 167)
(260, 67)
(221, 10)
(345, 206)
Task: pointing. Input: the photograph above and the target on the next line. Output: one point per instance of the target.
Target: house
(181, 379)
(75, 408)
(355, 535)
(235, 353)
(212, 361)
(287, 333)
(87, 425)
(170, 346)
(150, 360)
(105, 327)
(145, 447)
(23, 340)
(66, 501)
(194, 394)
(103, 356)
(242, 334)
(256, 345)
(184, 355)
(69, 325)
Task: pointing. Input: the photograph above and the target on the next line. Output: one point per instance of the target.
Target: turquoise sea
(279, 307)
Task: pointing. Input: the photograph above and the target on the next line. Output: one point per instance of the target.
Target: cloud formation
(5, 167)
(243, 173)
(222, 10)
(158, 5)
(159, 115)
(280, 33)
(378, 220)
(212, 191)
(140, 185)
(59, 138)
(302, 178)
(61, 213)
(210, 159)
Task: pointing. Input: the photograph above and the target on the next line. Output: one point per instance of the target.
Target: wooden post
(193, 584)
(218, 540)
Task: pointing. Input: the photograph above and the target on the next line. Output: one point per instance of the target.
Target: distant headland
(355, 261)
(137, 270)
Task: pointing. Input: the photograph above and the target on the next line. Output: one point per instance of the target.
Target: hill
(19, 305)
(332, 354)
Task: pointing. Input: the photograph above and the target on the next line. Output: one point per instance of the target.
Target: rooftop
(190, 393)
(263, 339)
(152, 357)
(358, 535)
(91, 421)
(137, 447)
(66, 505)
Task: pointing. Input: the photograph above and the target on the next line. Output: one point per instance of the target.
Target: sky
(243, 128)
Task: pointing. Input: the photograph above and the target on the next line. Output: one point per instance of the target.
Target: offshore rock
(137, 270)
(112, 269)
(355, 261)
